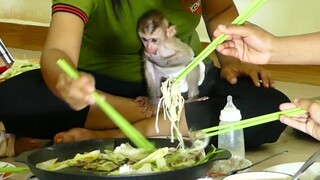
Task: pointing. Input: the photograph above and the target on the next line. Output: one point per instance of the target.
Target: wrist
(274, 45)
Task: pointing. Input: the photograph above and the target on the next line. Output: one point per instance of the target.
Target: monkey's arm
(192, 80)
(153, 82)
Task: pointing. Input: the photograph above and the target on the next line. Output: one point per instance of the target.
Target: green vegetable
(18, 67)
(126, 159)
(132, 153)
(59, 165)
(152, 157)
(210, 154)
(88, 157)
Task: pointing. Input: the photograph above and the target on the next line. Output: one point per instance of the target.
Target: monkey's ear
(171, 31)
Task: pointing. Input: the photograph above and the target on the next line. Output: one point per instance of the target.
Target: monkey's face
(152, 41)
(150, 45)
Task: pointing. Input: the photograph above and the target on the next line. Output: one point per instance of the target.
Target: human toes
(63, 137)
(72, 135)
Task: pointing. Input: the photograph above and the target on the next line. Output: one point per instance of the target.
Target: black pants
(28, 108)
(250, 100)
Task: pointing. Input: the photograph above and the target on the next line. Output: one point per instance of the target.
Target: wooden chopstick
(216, 130)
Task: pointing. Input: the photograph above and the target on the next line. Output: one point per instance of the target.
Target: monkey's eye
(154, 40)
(144, 39)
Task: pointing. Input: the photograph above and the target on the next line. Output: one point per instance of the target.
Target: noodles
(172, 103)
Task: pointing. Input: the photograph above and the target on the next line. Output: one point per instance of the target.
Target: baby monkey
(165, 56)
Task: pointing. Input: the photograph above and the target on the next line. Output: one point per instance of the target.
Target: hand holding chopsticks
(133, 134)
(244, 16)
(216, 130)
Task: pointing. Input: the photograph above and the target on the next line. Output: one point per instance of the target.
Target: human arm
(63, 41)
(308, 123)
(215, 13)
(253, 44)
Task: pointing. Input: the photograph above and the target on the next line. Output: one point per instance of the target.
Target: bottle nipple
(230, 111)
(230, 105)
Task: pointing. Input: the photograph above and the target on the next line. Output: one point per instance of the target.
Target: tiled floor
(298, 145)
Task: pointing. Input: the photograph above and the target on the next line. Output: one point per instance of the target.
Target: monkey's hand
(149, 107)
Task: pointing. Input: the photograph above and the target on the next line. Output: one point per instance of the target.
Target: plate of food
(5, 175)
(312, 173)
(69, 161)
(222, 168)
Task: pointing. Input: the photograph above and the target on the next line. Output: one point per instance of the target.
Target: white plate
(4, 175)
(258, 176)
(313, 172)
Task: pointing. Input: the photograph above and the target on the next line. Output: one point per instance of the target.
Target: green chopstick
(13, 169)
(132, 133)
(213, 131)
(243, 17)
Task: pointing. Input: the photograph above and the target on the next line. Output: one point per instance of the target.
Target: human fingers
(229, 48)
(85, 84)
(225, 45)
(307, 103)
(266, 78)
(76, 92)
(243, 31)
(307, 125)
(313, 108)
(256, 79)
(82, 90)
(300, 125)
(257, 74)
(288, 105)
(229, 74)
(219, 30)
(228, 52)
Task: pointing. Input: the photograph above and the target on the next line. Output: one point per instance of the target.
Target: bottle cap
(230, 112)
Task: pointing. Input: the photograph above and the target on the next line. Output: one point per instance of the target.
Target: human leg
(203, 114)
(145, 126)
(29, 110)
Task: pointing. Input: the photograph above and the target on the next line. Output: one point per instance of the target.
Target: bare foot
(74, 134)
(81, 134)
(23, 144)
